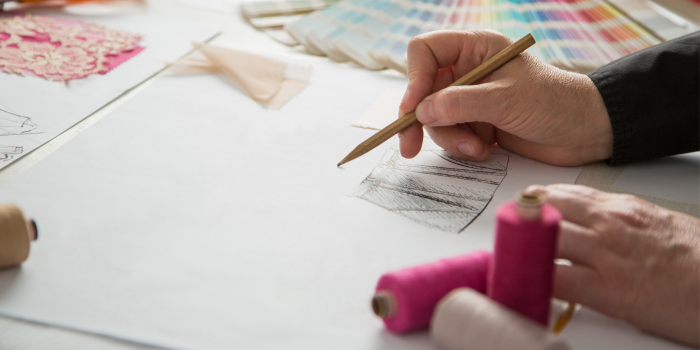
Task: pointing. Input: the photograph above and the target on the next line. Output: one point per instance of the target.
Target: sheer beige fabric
(268, 81)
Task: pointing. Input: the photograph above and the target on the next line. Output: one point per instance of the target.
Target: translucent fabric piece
(268, 81)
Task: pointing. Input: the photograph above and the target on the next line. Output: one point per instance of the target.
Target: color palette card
(578, 35)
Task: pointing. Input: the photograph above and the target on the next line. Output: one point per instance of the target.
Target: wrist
(597, 143)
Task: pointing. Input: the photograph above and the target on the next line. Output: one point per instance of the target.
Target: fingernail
(467, 148)
(424, 112)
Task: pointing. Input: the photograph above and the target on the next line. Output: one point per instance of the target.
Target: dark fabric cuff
(653, 100)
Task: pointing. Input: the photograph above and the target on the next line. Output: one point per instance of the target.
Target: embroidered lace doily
(61, 49)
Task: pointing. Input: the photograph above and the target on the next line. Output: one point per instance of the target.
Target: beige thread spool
(16, 234)
(529, 206)
(468, 320)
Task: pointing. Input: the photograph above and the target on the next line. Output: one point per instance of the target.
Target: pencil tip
(339, 164)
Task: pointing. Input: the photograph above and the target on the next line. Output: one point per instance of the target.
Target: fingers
(463, 104)
(431, 52)
(411, 140)
(577, 204)
(444, 78)
(577, 244)
(460, 141)
(579, 284)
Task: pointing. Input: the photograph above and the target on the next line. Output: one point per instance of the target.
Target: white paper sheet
(676, 178)
(194, 218)
(52, 107)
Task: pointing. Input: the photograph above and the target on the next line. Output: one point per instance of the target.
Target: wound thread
(415, 291)
(468, 320)
(521, 275)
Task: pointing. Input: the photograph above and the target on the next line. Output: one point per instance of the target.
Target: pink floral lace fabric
(61, 49)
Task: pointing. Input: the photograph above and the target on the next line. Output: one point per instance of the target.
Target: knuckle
(629, 210)
(415, 43)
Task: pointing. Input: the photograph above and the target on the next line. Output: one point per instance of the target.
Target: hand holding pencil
(527, 106)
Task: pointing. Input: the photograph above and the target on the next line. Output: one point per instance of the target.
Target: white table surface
(236, 33)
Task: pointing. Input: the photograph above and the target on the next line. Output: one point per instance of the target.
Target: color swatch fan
(578, 35)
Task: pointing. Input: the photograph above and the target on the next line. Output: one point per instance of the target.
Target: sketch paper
(434, 189)
(382, 112)
(676, 178)
(269, 81)
(212, 222)
(49, 107)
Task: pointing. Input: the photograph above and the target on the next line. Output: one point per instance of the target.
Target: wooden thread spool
(16, 234)
(384, 304)
(529, 206)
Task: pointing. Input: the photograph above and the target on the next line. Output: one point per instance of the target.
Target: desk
(16, 334)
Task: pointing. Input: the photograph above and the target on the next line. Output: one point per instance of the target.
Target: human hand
(631, 259)
(527, 106)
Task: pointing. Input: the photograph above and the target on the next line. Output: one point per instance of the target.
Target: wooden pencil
(409, 118)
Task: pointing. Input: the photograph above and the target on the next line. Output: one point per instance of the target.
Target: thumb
(462, 104)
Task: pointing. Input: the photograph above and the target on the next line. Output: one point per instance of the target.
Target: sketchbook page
(47, 108)
(676, 178)
(211, 222)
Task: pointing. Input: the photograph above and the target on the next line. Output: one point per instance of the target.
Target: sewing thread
(521, 274)
(405, 299)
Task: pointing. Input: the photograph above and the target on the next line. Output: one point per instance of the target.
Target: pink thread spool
(405, 299)
(521, 275)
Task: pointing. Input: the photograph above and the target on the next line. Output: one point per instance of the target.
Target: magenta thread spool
(521, 275)
(405, 299)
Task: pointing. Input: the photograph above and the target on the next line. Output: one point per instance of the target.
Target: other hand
(631, 259)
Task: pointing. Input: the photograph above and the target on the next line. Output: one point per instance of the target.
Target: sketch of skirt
(434, 189)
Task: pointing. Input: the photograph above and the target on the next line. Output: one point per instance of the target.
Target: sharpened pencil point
(339, 164)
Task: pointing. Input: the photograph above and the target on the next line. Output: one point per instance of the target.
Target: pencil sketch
(14, 124)
(7, 152)
(434, 189)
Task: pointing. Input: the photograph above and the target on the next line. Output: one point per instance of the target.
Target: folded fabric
(268, 81)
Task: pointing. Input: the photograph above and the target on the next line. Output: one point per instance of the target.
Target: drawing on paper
(434, 189)
(7, 152)
(14, 124)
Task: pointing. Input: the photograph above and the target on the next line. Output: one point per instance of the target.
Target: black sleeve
(653, 100)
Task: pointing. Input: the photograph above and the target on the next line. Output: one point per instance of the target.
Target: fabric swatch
(268, 81)
(382, 112)
(61, 49)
